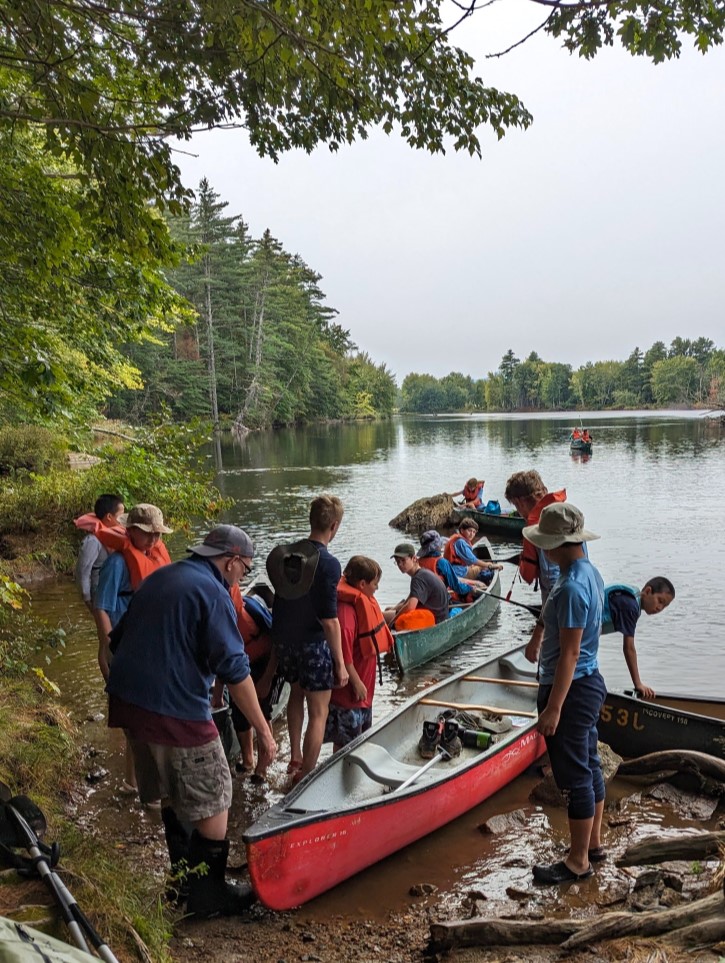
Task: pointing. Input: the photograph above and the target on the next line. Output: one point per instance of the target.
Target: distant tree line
(689, 372)
(261, 347)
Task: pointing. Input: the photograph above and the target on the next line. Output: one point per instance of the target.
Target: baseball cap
(224, 540)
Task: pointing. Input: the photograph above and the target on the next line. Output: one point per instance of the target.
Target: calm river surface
(654, 489)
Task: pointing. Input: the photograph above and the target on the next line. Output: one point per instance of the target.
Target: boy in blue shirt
(571, 689)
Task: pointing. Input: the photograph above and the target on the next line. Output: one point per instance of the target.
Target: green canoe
(583, 447)
(504, 524)
(421, 645)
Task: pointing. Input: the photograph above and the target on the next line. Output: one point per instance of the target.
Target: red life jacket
(529, 564)
(430, 563)
(448, 552)
(472, 494)
(257, 644)
(374, 635)
(139, 564)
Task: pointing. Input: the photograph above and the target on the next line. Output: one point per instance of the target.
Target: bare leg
(130, 769)
(317, 706)
(246, 742)
(213, 827)
(295, 720)
(581, 833)
(595, 839)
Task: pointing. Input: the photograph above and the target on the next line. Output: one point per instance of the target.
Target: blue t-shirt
(463, 553)
(114, 590)
(296, 622)
(549, 572)
(575, 602)
(179, 633)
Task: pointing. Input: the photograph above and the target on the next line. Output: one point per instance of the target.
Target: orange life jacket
(529, 564)
(471, 493)
(576, 434)
(417, 618)
(430, 563)
(448, 552)
(139, 564)
(257, 644)
(373, 633)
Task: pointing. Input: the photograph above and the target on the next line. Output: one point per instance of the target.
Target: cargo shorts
(196, 780)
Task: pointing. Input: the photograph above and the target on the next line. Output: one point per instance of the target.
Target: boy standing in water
(364, 634)
(571, 689)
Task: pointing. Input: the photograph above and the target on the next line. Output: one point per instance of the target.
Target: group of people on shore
(177, 639)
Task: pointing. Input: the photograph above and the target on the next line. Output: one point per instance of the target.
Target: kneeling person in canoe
(365, 635)
(427, 593)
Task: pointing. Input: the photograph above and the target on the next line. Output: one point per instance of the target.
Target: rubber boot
(178, 840)
(210, 894)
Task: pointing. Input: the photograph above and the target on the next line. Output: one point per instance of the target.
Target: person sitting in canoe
(472, 493)
(576, 434)
(459, 553)
(623, 606)
(427, 603)
(430, 556)
(365, 635)
(586, 437)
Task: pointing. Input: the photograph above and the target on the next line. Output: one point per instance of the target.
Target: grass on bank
(40, 757)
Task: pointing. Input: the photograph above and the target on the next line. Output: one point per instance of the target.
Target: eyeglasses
(247, 568)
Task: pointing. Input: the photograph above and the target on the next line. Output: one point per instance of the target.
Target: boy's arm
(630, 657)
(331, 628)
(569, 645)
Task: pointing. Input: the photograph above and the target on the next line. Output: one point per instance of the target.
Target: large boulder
(425, 513)
(546, 792)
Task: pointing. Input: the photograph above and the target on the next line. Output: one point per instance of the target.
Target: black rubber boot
(178, 840)
(210, 894)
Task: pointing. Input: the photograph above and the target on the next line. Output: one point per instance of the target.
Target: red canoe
(377, 795)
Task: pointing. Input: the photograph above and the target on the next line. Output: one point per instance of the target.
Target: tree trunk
(655, 850)
(681, 760)
(210, 344)
(498, 932)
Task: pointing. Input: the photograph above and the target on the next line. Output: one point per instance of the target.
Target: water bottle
(475, 739)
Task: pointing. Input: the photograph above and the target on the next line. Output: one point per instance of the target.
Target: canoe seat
(519, 664)
(377, 763)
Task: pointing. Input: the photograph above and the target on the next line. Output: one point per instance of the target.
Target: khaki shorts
(195, 780)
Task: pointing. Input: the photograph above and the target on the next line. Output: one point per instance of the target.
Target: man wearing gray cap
(571, 689)
(180, 632)
(427, 591)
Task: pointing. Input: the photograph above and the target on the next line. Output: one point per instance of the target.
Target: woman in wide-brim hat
(571, 688)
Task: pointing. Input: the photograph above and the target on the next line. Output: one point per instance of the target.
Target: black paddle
(534, 609)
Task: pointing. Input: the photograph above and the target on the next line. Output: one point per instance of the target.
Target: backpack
(492, 508)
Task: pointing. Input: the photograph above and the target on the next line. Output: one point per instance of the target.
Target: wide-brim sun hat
(559, 524)
(147, 517)
(291, 568)
(431, 544)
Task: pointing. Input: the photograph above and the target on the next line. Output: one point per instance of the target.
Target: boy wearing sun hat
(571, 689)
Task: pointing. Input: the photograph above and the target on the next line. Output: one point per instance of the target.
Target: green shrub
(31, 448)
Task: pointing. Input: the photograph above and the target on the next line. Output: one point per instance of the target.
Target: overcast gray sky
(598, 229)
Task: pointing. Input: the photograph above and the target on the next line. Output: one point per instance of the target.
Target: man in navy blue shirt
(179, 633)
(306, 631)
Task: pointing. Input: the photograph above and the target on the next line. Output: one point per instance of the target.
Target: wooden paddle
(469, 707)
(483, 678)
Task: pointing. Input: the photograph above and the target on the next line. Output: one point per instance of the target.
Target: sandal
(554, 873)
(598, 854)
(127, 789)
(294, 765)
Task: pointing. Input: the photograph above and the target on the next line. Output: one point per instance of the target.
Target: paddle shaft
(534, 609)
(483, 678)
(48, 877)
(469, 707)
(99, 944)
(440, 754)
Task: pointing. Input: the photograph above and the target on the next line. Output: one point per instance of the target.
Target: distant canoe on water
(418, 646)
(506, 523)
(583, 447)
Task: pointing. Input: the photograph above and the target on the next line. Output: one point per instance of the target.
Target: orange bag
(415, 619)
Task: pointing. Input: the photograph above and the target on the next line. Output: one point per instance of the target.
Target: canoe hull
(352, 811)
(635, 727)
(294, 867)
(493, 524)
(419, 646)
(583, 447)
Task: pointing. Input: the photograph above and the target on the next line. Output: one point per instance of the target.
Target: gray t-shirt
(430, 592)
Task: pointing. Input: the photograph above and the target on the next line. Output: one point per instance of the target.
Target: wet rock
(476, 894)
(95, 717)
(616, 892)
(520, 895)
(673, 881)
(308, 937)
(650, 877)
(433, 512)
(687, 804)
(516, 862)
(422, 889)
(617, 821)
(96, 775)
(503, 822)
(547, 793)
(669, 898)
(311, 958)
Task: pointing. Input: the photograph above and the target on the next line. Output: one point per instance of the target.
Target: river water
(654, 489)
